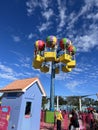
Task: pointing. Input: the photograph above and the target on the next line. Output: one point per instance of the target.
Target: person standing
(74, 123)
(59, 119)
(91, 119)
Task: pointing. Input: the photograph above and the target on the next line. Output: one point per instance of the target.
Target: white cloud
(32, 4)
(7, 76)
(7, 72)
(86, 38)
(47, 14)
(62, 15)
(16, 38)
(17, 65)
(78, 69)
(87, 41)
(92, 2)
(72, 85)
(84, 41)
(24, 60)
(45, 3)
(73, 18)
(61, 76)
(30, 36)
(44, 26)
(93, 16)
(5, 69)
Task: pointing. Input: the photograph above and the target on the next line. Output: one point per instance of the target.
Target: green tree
(73, 101)
(62, 101)
(44, 102)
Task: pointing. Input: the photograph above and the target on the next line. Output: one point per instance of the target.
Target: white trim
(41, 88)
(39, 85)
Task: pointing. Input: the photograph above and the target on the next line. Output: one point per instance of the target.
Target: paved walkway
(65, 124)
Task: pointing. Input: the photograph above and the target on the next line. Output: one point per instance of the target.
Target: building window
(28, 109)
(12, 94)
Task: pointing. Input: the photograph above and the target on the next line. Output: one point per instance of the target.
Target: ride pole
(52, 87)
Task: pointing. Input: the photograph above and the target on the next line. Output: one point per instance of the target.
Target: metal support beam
(52, 87)
(57, 103)
(80, 108)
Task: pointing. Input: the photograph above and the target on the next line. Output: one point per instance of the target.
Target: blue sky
(22, 22)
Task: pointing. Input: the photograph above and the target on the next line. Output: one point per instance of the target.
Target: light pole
(51, 50)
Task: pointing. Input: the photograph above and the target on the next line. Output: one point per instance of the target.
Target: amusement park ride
(60, 54)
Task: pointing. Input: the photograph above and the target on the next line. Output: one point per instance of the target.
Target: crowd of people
(88, 119)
